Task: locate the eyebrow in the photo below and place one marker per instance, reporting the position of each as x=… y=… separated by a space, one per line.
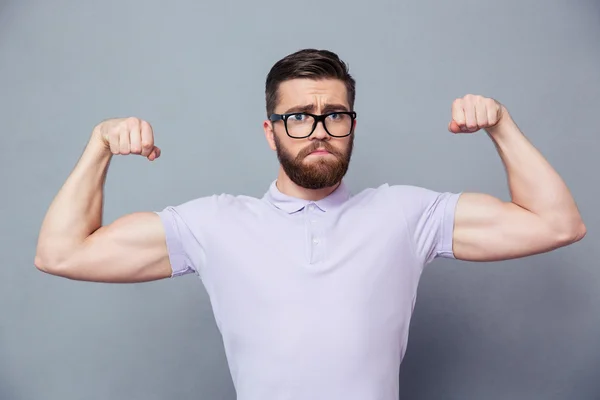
x=311 y=107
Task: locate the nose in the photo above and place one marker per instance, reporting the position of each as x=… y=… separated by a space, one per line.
x=320 y=133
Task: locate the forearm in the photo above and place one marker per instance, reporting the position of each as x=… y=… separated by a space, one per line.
x=534 y=184
x=76 y=211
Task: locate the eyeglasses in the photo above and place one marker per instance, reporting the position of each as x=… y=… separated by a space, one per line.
x=302 y=125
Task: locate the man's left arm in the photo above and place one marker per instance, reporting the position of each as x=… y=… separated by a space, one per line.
x=542 y=214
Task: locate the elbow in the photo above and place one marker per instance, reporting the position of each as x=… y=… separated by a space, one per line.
x=49 y=265
x=39 y=263
x=572 y=233
x=43 y=264
x=579 y=231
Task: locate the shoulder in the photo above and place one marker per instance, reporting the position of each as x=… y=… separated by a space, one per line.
x=214 y=204
x=411 y=201
x=407 y=195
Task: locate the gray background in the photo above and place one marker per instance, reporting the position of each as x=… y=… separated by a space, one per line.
x=525 y=329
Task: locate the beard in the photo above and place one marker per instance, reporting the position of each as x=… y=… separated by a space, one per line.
x=320 y=173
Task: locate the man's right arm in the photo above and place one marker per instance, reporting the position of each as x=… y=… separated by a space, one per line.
x=73 y=243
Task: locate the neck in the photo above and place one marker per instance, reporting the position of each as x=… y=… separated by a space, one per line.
x=289 y=188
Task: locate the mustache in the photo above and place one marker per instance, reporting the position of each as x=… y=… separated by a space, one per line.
x=318 y=145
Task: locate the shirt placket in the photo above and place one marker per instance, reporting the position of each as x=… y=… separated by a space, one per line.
x=313 y=217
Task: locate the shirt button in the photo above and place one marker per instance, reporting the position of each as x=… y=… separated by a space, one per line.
x=316 y=241
x=311 y=207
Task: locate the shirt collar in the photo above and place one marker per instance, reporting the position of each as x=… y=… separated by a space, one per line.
x=291 y=204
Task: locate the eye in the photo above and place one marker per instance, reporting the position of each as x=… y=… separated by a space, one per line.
x=297 y=117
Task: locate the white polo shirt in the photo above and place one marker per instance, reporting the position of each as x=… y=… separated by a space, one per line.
x=313 y=299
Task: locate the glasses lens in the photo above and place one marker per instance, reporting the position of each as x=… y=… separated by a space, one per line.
x=300 y=125
x=338 y=124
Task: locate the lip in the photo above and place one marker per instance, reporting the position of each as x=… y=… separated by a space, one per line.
x=320 y=151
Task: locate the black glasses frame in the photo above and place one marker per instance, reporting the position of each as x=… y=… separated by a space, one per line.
x=317 y=118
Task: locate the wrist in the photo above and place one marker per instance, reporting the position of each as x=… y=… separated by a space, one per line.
x=96 y=150
x=505 y=126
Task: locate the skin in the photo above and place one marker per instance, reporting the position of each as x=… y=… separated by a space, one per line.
x=74 y=244
x=541 y=216
x=322 y=96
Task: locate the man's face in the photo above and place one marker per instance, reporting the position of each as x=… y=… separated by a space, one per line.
x=319 y=161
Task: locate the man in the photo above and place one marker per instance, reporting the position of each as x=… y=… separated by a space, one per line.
x=312 y=288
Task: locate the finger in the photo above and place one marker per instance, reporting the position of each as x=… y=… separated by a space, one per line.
x=492 y=112
x=147 y=139
x=481 y=114
x=470 y=118
x=492 y=116
x=124 y=140
x=454 y=127
x=154 y=154
x=113 y=142
x=458 y=114
x=135 y=141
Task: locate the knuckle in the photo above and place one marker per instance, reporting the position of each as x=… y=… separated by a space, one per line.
x=457 y=107
x=145 y=125
x=132 y=122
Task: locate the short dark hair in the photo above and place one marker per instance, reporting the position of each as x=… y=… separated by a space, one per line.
x=307 y=63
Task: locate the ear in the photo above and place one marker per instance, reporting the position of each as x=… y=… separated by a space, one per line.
x=269 y=133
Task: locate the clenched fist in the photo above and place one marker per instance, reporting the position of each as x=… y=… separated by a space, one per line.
x=472 y=113
x=127 y=136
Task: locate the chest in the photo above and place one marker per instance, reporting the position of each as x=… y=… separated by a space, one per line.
x=342 y=271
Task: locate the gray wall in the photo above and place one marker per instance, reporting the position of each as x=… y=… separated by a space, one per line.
x=525 y=329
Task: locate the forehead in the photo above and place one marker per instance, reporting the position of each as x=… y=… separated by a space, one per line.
x=300 y=92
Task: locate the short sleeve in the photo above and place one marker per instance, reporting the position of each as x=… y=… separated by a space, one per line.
x=430 y=219
x=186 y=226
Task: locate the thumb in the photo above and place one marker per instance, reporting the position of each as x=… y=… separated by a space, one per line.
x=154 y=154
x=454 y=127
